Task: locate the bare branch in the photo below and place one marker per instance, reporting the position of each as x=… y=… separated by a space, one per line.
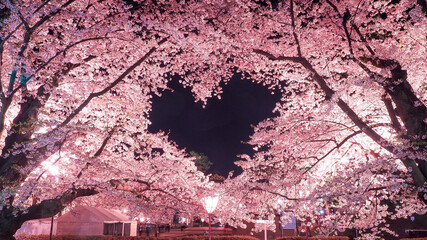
x=329 y=93
x=41 y=6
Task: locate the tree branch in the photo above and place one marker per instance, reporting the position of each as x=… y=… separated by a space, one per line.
x=291 y=9
x=274 y=193
x=97 y=154
x=330 y=151
x=52 y=14
x=116 y=183
x=345 y=19
x=51 y=207
x=392 y=114
x=329 y=93
x=64 y=51
x=363 y=39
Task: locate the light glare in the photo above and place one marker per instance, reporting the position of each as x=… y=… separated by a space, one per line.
x=210 y=203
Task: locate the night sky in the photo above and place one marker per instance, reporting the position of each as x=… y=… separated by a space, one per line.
x=219 y=129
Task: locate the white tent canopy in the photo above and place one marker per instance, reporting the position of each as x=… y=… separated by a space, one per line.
x=37 y=227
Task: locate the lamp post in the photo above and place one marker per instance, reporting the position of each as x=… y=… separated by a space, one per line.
x=265 y=222
x=54 y=171
x=210 y=203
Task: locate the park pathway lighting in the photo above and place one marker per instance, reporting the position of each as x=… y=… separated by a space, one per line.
x=210 y=203
x=265 y=222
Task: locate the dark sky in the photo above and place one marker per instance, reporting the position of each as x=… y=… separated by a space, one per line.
x=218 y=129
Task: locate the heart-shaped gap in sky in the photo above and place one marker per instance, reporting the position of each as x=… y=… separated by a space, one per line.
x=220 y=129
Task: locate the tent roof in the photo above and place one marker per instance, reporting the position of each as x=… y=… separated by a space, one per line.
x=91 y=214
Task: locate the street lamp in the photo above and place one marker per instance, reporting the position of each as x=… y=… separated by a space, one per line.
x=209 y=203
x=265 y=222
x=52 y=169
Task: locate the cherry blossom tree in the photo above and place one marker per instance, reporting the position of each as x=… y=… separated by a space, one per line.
x=76 y=82
x=77 y=77
x=350 y=135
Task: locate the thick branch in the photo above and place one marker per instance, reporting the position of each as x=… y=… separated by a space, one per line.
x=51 y=207
x=23 y=125
x=392 y=114
x=409 y=107
x=291 y=9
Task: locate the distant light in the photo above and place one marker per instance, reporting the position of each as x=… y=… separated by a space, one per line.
x=322 y=212
x=141 y=219
x=412 y=218
x=183 y=219
x=203 y=219
x=125 y=210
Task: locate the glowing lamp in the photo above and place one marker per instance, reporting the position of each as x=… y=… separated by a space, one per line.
x=210 y=203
